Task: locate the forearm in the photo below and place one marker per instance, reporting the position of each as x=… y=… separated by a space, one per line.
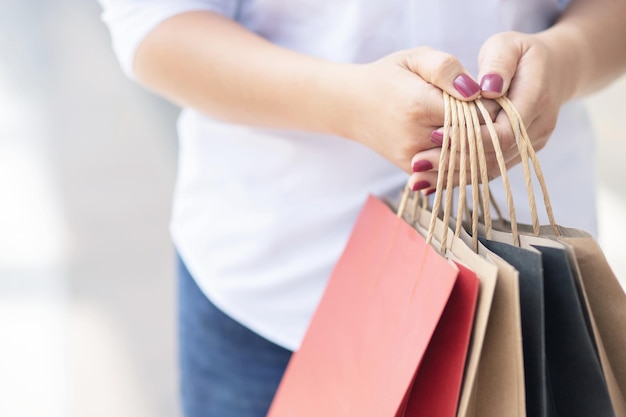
x=208 y=62
x=591 y=39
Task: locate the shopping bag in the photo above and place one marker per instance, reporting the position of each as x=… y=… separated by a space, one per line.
x=531 y=283
x=604 y=300
x=493 y=384
x=576 y=375
x=442 y=399
x=494 y=380
x=500 y=380
x=582 y=389
x=372 y=327
x=578 y=386
x=437 y=385
x=606 y=297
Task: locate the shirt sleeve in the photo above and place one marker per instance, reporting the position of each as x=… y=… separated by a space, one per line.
x=129 y=21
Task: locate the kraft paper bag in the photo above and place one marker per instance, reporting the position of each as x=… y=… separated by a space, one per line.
x=608 y=300
x=604 y=301
x=531 y=282
x=494 y=379
x=589 y=386
x=576 y=377
x=581 y=379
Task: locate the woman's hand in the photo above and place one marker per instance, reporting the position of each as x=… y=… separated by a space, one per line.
x=394 y=105
x=537 y=75
x=583 y=52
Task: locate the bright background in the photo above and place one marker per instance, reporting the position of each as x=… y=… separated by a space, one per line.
x=87 y=164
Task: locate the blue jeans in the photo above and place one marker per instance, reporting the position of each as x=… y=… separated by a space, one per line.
x=226 y=369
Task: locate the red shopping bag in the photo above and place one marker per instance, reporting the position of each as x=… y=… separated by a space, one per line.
x=373 y=325
x=437 y=385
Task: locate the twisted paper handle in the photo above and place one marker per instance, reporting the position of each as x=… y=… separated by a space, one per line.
x=462 y=135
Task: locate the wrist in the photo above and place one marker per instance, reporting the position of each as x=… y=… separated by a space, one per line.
x=332 y=101
x=570 y=57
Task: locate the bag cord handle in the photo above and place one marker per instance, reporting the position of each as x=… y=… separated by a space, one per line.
x=462 y=137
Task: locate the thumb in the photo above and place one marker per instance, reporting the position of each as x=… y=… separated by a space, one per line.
x=497 y=63
x=442 y=70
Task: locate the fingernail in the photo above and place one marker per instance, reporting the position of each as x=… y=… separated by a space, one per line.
x=492 y=83
x=465 y=85
x=420 y=185
x=429 y=192
x=436 y=137
x=421 y=166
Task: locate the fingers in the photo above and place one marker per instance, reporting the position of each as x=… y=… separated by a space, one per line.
x=442 y=70
x=426 y=182
x=501 y=59
x=497 y=63
x=423 y=181
x=427 y=162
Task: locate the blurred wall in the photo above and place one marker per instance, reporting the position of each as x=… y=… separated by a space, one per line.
x=87 y=163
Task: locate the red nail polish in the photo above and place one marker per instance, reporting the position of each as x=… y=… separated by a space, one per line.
x=421 y=166
x=465 y=85
x=420 y=185
x=429 y=192
x=492 y=83
x=436 y=137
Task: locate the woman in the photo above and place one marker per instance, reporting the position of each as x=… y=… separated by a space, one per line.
x=295 y=110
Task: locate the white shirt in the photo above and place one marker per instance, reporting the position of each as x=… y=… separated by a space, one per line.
x=261 y=216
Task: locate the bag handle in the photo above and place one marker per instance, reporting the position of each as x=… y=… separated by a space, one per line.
x=462 y=135
x=514 y=115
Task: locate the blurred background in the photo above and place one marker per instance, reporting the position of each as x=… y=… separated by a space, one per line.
x=87 y=165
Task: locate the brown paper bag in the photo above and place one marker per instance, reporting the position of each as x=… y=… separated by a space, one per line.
x=602 y=296
x=604 y=299
x=494 y=381
x=607 y=301
x=607 y=379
